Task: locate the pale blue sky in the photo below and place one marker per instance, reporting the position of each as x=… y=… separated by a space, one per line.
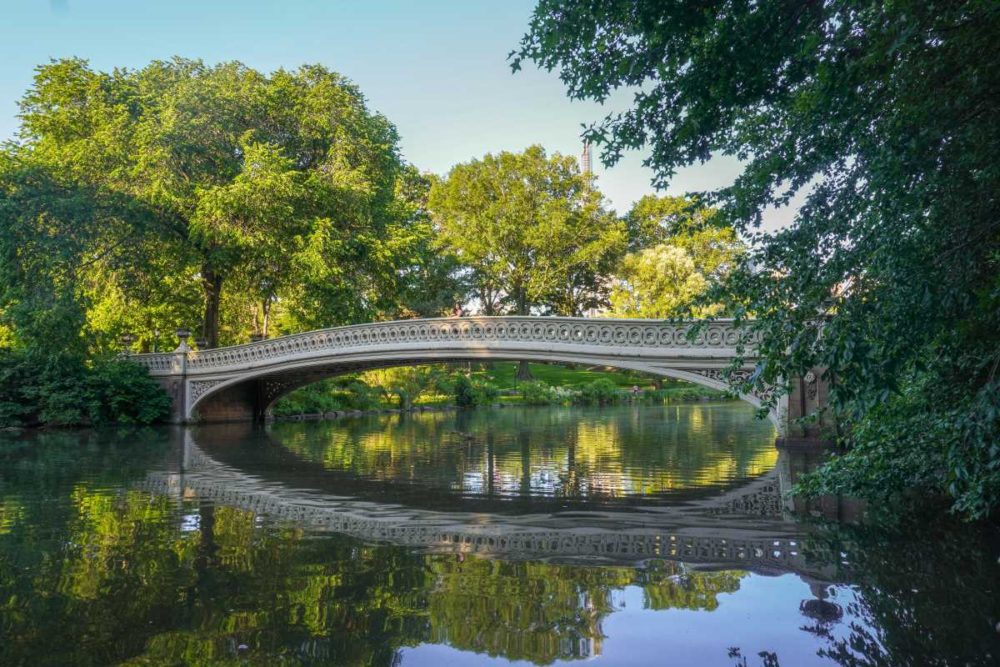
x=435 y=68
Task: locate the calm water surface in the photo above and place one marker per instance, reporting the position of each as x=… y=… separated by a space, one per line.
x=623 y=536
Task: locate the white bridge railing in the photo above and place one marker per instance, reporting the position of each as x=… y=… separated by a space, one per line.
x=697 y=352
x=717 y=339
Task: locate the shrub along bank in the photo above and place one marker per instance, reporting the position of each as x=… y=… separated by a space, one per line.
x=38 y=390
x=469 y=387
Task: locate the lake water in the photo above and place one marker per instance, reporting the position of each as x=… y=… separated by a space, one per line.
x=633 y=535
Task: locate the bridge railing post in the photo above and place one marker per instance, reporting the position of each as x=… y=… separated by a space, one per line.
x=178 y=378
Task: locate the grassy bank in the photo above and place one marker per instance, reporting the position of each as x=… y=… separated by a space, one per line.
x=483 y=384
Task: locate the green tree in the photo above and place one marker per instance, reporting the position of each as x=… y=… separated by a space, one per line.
x=429 y=278
x=532 y=230
x=653 y=219
x=881 y=117
x=256 y=217
x=525 y=224
x=47 y=229
x=279 y=186
x=409 y=383
x=657 y=282
x=679 y=250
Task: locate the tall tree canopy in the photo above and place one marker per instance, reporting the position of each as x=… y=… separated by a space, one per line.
x=679 y=251
x=46 y=232
x=280 y=188
x=657 y=219
x=532 y=230
x=883 y=118
x=673 y=279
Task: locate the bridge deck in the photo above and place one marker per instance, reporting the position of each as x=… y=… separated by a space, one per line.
x=260 y=372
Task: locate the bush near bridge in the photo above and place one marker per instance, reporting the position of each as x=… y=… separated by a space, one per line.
x=340 y=393
x=65 y=391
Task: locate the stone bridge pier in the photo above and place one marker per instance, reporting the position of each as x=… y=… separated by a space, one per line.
x=241 y=382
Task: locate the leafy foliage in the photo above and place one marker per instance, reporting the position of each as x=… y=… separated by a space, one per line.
x=47 y=229
x=657 y=282
x=599 y=392
x=679 y=250
x=470 y=392
x=654 y=220
x=465 y=393
x=340 y=393
x=408 y=383
x=62 y=390
x=252 y=198
x=181 y=194
x=537 y=393
x=484 y=393
x=532 y=231
x=881 y=118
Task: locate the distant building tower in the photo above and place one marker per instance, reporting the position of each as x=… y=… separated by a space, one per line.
x=585 y=163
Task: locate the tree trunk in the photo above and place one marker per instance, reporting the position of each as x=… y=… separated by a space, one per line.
x=207 y=550
x=521 y=306
x=211 y=283
x=266 y=307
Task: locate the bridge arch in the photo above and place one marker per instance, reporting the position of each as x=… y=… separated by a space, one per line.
x=242 y=381
x=220 y=397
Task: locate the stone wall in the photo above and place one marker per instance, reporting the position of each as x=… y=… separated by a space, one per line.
x=809 y=416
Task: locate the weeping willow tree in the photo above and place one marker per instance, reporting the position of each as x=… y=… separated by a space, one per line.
x=679 y=251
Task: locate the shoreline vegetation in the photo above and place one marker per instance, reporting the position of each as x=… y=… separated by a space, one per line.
x=67 y=390
x=647 y=399
x=46 y=392
x=412 y=389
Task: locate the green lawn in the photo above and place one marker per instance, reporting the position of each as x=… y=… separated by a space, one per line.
x=316 y=398
x=502 y=375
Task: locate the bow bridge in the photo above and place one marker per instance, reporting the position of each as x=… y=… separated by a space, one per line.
x=241 y=382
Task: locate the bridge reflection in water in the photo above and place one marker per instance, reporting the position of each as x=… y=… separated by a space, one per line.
x=747 y=527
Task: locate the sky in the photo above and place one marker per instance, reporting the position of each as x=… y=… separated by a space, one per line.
x=436 y=68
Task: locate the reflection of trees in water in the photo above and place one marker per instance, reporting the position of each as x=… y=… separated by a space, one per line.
x=922 y=595
x=543 y=611
x=521 y=610
x=91 y=574
x=927 y=593
x=667 y=585
x=85 y=591
x=557 y=452
x=128 y=576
